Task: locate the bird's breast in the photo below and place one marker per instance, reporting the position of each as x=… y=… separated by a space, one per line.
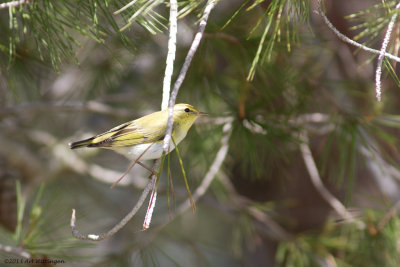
x=150 y=151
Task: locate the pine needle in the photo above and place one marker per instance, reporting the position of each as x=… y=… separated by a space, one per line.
x=184 y=177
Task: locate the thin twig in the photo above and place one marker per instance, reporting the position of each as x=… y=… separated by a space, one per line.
x=385 y=43
x=92 y=106
x=13 y=4
x=153 y=197
x=347 y=39
x=117 y=227
x=16 y=251
x=169 y=68
x=193 y=48
x=316 y=181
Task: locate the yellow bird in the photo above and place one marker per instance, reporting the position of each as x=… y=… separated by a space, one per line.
x=142 y=139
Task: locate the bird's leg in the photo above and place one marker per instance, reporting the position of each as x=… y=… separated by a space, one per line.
x=130 y=167
x=147 y=168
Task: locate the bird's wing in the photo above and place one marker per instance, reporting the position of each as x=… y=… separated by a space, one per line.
x=133 y=133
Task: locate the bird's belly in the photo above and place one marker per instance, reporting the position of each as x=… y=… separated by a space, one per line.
x=146 y=151
x=149 y=151
x=153 y=152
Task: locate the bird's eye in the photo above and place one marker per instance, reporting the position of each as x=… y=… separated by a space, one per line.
x=187 y=110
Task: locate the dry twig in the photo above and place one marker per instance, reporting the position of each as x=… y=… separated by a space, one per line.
x=385 y=43
x=117 y=227
x=319 y=186
x=382 y=52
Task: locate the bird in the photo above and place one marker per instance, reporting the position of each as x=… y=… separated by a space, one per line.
x=142 y=139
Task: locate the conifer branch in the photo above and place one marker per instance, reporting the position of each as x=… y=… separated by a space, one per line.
x=350 y=41
x=378 y=72
x=382 y=52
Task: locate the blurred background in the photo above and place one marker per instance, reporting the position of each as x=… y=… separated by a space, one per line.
x=290 y=104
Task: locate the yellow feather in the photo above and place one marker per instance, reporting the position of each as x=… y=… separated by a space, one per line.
x=147 y=129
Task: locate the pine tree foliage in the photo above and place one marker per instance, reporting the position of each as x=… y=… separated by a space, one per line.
x=275 y=80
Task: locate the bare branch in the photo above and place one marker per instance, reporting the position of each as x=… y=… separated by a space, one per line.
x=319 y=186
x=152 y=200
x=117 y=227
x=169 y=68
x=13 y=4
x=63 y=154
x=347 y=39
x=16 y=251
x=193 y=48
x=385 y=43
x=92 y=106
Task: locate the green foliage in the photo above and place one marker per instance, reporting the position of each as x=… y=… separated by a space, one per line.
x=282 y=18
x=345 y=245
x=56 y=27
x=37 y=232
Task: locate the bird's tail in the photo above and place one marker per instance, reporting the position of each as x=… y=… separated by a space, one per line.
x=82 y=143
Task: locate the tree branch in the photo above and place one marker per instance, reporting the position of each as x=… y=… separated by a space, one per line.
x=347 y=39
x=385 y=43
x=153 y=196
x=117 y=227
x=177 y=85
x=193 y=48
x=169 y=68
x=92 y=106
x=319 y=186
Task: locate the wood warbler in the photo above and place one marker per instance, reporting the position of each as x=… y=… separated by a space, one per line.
x=142 y=139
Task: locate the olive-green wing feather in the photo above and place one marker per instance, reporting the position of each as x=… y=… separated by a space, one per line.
x=147 y=129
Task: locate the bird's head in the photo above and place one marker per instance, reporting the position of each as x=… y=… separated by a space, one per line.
x=185 y=115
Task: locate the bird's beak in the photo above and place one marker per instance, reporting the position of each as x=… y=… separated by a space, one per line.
x=202 y=114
